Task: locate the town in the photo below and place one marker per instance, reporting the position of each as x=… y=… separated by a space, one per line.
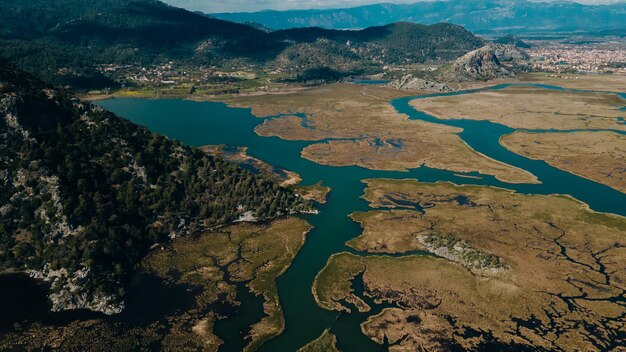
x=582 y=56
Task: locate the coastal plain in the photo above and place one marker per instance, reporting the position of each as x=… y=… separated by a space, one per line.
x=483 y=268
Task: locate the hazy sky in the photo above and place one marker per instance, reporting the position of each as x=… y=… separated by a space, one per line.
x=257 y=5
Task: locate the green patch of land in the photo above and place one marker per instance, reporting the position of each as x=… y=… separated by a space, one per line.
x=243 y=253
x=508 y=269
x=327 y=342
x=240 y=156
x=317 y=192
x=287 y=179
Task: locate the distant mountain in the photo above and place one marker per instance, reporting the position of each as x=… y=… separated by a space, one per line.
x=476 y=15
x=63 y=41
x=84 y=194
x=512 y=40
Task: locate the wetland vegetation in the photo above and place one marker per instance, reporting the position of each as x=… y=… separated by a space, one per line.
x=561 y=257
x=272 y=211
x=355 y=125
x=327 y=342
x=599 y=156
x=531 y=108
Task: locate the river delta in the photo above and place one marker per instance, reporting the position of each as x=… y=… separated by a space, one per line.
x=442 y=232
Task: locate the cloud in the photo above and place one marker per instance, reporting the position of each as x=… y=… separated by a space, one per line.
x=214 y=6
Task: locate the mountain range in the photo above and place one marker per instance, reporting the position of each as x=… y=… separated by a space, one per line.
x=505 y=16
x=63 y=41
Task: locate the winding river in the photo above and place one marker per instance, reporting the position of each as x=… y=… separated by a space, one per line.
x=202 y=123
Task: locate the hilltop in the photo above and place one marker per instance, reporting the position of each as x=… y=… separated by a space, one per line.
x=489 y=62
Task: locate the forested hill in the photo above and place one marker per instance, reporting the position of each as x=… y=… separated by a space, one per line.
x=394 y=43
x=64 y=41
x=84 y=194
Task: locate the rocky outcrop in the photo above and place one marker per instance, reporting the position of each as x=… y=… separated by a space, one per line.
x=461 y=252
x=69 y=291
x=489 y=62
x=409 y=82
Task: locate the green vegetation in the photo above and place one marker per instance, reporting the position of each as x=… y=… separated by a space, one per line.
x=67 y=42
x=86 y=193
x=327 y=342
x=62 y=41
x=244 y=253
x=333 y=284
x=208 y=269
x=317 y=192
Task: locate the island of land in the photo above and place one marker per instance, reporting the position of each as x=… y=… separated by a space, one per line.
x=503 y=270
x=365 y=130
x=581 y=132
x=598 y=156
x=531 y=108
x=327 y=342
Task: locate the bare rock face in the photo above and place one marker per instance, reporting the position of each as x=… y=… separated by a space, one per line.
x=489 y=62
x=409 y=82
x=70 y=291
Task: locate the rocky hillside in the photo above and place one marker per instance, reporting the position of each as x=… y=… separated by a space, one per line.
x=409 y=82
x=489 y=62
x=84 y=194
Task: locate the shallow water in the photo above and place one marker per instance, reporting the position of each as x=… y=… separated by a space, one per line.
x=201 y=123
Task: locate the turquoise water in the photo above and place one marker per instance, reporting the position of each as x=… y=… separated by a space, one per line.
x=201 y=123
